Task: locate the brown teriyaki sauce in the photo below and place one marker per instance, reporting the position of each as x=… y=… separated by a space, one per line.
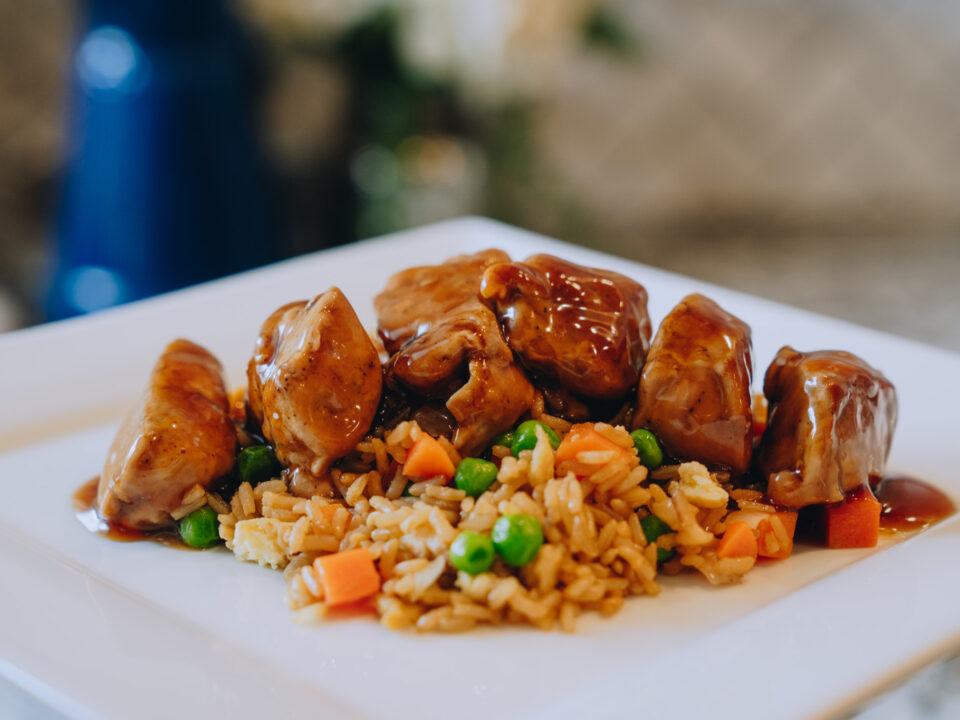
x=85 y=507
x=910 y=504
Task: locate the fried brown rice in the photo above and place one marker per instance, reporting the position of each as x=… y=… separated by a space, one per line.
x=594 y=555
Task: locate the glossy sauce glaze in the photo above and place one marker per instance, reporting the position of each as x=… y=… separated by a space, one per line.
x=587 y=330
x=694 y=392
x=417 y=298
x=830 y=425
x=463 y=361
x=178 y=435
x=85 y=507
x=314 y=384
x=910 y=504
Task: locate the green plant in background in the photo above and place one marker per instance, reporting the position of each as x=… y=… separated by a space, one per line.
x=393 y=109
x=436 y=120
x=603 y=30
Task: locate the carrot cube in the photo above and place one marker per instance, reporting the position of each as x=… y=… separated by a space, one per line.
x=854 y=523
x=428 y=459
x=347 y=576
x=738 y=541
x=584 y=438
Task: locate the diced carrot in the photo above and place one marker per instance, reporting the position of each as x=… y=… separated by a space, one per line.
x=584 y=438
x=854 y=523
x=775 y=541
x=738 y=541
x=347 y=576
x=428 y=459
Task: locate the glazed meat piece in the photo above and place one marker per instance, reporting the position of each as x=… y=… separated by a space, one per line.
x=829 y=427
x=694 y=392
x=562 y=403
x=464 y=359
x=586 y=330
x=180 y=435
x=314 y=384
x=416 y=298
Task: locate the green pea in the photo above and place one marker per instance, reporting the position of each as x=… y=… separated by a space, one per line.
x=256 y=464
x=665 y=555
x=525 y=437
x=504 y=438
x=653 y=527
x=648 y=449
x=472 y=552
x=517 y=538
x=200 y=528
x=474 y=476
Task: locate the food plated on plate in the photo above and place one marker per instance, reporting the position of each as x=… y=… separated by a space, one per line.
x=514 y=444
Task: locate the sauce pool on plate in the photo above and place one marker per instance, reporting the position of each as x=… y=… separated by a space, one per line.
x=85 y=506
x=910 y=504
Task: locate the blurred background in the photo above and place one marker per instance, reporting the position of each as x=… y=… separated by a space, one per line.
x=805 y=151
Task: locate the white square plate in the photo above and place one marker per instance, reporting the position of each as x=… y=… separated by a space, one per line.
x=112 y=630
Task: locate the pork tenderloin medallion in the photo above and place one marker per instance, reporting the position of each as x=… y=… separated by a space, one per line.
x=315 y=380
x=586 y=330
x=418 y=297
x=179 y=435
x=694 y=391
x=829 y=426
x=463 y=361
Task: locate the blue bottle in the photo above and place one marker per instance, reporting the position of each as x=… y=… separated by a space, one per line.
x=163 y=184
